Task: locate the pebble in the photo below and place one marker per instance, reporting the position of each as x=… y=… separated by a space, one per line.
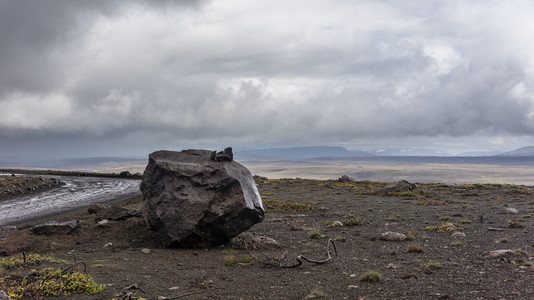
x=499 y=253
x=108 y=245
x=103 y=223
x=337 y=224
x=458 y=234
x=393 y=236
x=146 y=250
x=511 y=210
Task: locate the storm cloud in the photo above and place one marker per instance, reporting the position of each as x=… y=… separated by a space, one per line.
x=154 y=74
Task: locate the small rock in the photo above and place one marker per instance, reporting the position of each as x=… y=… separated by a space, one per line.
x=95 y=208
x=9 y=228
x=125 y=174
x=337 y=224
x=255 y=242
x=103 y=223
x=398 y=187
x=393 y=236
x=494 y=229
x=117 y=214
x=173 y=288
x=108 y=245
x=4 y=296
x=511 y=210
x=345 y=178
x=57 y=228
x=146 y=250
x=499 y=253
x=457 y=234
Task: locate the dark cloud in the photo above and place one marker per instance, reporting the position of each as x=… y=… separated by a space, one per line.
x=197 y=72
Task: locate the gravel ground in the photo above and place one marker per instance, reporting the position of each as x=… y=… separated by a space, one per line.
x=431 y=264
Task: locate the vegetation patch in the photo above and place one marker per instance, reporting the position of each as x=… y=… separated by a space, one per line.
x=277 y=206
x=371 y=276
x=515 y=224
x=353 y=222
x=432 y=266
x=44 y=282
x=31 y=259
x=416 y=248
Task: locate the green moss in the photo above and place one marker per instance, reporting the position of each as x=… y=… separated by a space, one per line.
x=49 y=282
x=371 y=276
x=232 y=261
x=30 y=259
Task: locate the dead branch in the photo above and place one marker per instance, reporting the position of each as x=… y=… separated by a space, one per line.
x=72 y=268
x=278 y=262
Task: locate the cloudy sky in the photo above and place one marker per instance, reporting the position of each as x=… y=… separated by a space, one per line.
x=96 y=78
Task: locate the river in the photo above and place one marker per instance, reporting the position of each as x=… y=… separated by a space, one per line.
x=76 y=193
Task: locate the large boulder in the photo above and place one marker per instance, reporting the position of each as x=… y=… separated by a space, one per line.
x=198 y=198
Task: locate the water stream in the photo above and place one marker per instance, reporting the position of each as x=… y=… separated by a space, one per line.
x=76 y=193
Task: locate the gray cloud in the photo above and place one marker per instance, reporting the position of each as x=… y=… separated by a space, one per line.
x=273 y=73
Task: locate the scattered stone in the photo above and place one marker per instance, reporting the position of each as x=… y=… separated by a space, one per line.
x=457 y=234
x=4 y=296
x=194 y=201
x=398 y=187
x=511 y=210
x=125 y=174
x=225 y=155
x=9 y=228
x=258 y=177
x=345 y=178
x=117 y=213
x=500 y=253
x=57 y=228
x=494 y=229
x=146 y=250
x=95 y=208
x=108 y=245
x=103 y=223
x=173 y=288
x=337 y=224
x=393 y=236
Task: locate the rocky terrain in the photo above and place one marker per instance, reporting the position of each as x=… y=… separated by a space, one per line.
x=435 y=241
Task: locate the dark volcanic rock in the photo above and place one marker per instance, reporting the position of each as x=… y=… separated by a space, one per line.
x=116 y=213
x=56 y=228
x=195 y=201
x=399 y=187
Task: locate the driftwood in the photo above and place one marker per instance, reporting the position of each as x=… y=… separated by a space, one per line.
x=279 y=262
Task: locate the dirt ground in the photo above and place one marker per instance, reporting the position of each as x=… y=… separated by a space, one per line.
x=431 y=264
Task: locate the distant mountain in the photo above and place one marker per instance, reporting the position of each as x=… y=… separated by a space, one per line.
x=297 y=153
x=489 y=152
x=409 y=152
x=523 y=151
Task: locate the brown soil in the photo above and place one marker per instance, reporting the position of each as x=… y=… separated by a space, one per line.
x=467 y=270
